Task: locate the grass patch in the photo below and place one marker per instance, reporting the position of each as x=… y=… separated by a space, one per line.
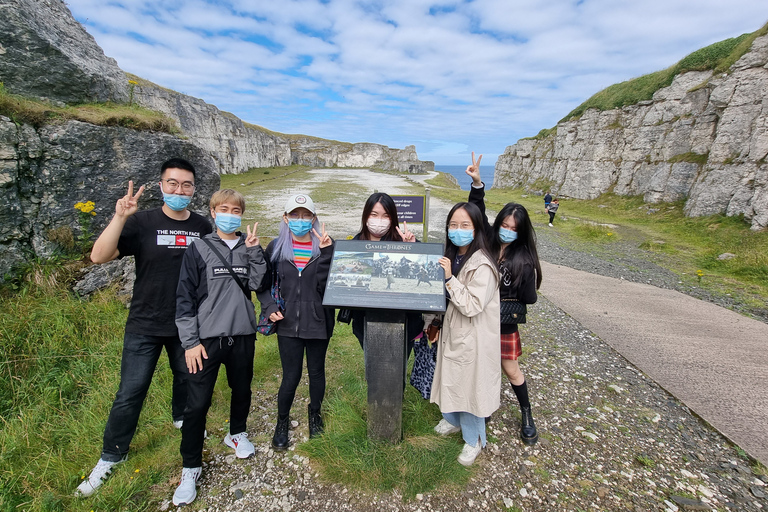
x=718 y=57
x=593 y=232
x=443 y=180
x=694 y=158
x=38 y=113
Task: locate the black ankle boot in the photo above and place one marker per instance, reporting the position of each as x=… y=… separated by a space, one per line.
x=528 y=432
x=280 y=439
x=315 y=422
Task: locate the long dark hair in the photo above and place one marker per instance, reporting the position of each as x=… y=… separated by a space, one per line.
x=522 y=251
x=478 y=244
x=389 y=206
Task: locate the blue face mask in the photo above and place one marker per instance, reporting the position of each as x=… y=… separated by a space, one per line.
x=227 y=222
x=507 y=235
x=176 y=202
x=461 y=237
x=299 y=227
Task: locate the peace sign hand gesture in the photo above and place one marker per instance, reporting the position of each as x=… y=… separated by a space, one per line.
x=129 y=203
x=251 y=239
x=405 y=234
x=325 y=239
x=474 y=170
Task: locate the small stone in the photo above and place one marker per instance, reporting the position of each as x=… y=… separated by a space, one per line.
x=726 y=256
x=706 y=492
x=671 y=507
x=230 y=459
x=294 y=424
x=165 y=505
x=524 y=492
x=656 y=418
x=687 y=474
x=602 y=492
x=590 y=435
x=238 y=494
x=507 y=502
x=420 y=497
x=756 y=491
x=689 y=504
x=616 y=388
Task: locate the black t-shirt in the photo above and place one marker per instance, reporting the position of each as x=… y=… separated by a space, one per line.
x=158 y=243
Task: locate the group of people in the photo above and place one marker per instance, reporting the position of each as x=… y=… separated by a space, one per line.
x=192 y=295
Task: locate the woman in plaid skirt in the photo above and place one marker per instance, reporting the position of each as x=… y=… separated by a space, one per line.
x=513 y=244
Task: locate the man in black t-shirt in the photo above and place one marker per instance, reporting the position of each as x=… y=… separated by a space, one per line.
x=157 y=239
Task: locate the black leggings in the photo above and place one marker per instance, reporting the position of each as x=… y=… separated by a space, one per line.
x=551 y=217
x=292 y=359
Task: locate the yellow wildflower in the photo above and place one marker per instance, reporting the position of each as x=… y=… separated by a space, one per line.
x=85 y=207
x=133 y=82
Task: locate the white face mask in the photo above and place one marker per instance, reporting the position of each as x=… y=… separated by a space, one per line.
x=378 y=227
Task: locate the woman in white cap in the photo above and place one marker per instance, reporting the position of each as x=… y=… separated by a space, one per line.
x=299 y=259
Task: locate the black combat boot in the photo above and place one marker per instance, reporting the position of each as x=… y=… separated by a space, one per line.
x=280 y=439
x=528 y=432
x=315 y=422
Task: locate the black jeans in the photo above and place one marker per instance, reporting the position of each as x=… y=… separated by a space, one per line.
x=140 y=355
x=292 y=359
x=551 y=217
x=236 y=354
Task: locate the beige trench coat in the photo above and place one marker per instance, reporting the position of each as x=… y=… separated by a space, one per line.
x=468 y=371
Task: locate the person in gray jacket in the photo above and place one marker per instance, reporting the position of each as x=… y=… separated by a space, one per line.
x=217 y=324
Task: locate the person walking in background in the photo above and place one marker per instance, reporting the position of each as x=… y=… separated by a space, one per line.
x=513 y=245
x=150 y=325
x=467 y=380
x=552 y=210
x=299 y=259
x=217 y=325
x=547 y=197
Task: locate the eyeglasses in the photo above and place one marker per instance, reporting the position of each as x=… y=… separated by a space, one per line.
x=463 y=225
x=186 y=186
x=297 y=216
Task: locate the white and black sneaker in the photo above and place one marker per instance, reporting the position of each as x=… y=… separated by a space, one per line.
x=99 y=473
x=242 y=446
x=186 y=492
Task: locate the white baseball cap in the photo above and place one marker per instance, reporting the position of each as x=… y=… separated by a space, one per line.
x=300 y=201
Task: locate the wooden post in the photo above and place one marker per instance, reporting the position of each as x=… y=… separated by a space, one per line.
x=385 y=352
x=426 y=215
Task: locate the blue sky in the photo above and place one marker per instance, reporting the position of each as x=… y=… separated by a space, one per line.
x=449 y=77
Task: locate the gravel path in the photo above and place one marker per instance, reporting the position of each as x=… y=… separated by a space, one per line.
x=611 y=439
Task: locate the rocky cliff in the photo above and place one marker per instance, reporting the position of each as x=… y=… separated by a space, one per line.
x=45 y=171
x=316 y=152
x=703 y=139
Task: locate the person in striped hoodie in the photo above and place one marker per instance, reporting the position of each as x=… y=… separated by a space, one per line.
x=299 y=259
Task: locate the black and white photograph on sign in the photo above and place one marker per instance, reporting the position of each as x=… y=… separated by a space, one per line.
x=386 y=275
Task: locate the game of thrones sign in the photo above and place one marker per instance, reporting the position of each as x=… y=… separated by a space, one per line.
x=386 y=275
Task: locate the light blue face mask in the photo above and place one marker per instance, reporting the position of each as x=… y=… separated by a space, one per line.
x=176 y=202
x=227 y=222
x=461 y=237
x=507 y=235
x=299 y=227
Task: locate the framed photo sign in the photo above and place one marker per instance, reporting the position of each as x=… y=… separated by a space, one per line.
x=386 y=275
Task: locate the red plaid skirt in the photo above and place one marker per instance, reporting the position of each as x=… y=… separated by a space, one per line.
x=510 y=346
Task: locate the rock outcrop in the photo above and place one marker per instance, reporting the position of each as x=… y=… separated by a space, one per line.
x=44 y=172
x=703 y=139
x=316 y=152
x=46 y=53
x=234 y=145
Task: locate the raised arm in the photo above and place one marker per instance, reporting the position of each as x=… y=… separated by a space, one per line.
x=105 y=247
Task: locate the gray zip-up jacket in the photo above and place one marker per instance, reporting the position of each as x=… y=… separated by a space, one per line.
x=209 y=303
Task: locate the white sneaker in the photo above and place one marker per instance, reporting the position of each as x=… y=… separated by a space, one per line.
x=444 y=428
x=550 y=224
x=178 y=423
x=469 y=453
x=186 y=492
x=241 y=444
x=99 y=473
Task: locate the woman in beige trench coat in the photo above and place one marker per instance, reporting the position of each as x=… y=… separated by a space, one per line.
x=467 y=381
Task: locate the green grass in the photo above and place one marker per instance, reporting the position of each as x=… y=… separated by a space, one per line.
x=718 y=57
x=37 y=113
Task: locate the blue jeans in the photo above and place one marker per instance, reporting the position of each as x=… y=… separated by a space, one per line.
x=140 y=355
x=472 y=427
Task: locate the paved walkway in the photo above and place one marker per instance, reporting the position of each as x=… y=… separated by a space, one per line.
x=713 y=360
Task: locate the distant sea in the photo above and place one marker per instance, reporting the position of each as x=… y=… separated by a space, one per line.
x=459 y=172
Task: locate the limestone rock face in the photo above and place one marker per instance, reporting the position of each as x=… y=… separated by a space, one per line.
x=703 y=139
x=316 y=152
x=234 y=145
x=46 y=53
x=44 y=172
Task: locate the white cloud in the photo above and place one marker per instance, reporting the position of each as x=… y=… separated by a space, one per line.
x=450 y=76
